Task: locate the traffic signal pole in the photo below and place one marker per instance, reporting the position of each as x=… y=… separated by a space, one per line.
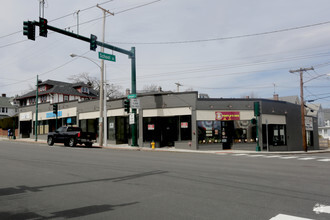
x=130 y=54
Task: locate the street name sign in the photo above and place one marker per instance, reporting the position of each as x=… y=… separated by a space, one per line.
x=106 y=56
x=131 y=96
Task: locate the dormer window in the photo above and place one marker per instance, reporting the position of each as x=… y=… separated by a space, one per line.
x=42 y=88
x=85 y=90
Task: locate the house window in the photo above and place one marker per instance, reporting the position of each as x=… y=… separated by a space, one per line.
x=85 y=90
x=66 y=98
x=32 y=100
x=42 y=88
x=43 y=98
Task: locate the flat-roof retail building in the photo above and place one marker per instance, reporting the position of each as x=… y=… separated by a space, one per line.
x=185 y=121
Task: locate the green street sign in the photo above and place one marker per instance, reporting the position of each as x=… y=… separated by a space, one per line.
x=105 y=56
x=131 y=96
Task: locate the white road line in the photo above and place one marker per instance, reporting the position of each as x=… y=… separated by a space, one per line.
x=256 y=155
x=239 y=154
x=307 y=158
x=288 y=217
x=319 y=208
x=324 y=160
x=273 y=156
x=285 y=158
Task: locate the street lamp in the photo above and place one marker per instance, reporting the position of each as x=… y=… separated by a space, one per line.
x=102 y=103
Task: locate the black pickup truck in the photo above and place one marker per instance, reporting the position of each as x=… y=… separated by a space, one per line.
x=71 y=136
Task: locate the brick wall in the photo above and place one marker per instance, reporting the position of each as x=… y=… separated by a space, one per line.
x=4 y=133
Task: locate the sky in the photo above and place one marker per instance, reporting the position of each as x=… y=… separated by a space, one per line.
x=226 y=49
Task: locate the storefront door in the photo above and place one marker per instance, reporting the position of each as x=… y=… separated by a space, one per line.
x=169 y=131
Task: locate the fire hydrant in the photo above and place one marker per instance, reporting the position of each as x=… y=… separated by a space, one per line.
x=153 y=145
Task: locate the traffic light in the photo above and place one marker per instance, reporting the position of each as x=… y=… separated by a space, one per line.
x=126 y=105
x=93 y=42
x=253 y=121
x=256 y=109
x=29 y=29
x=55 y=109
x=43 y=27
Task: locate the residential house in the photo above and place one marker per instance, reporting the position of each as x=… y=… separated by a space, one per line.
x=7 y=108
x=56 y=92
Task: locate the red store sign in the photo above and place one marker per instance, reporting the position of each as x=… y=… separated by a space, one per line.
x=227 y=116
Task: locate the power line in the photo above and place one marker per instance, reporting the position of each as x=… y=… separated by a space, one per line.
x=227 y=38
x=86 y=22
x=44 y=73
x=139 y=6
x=64 y=16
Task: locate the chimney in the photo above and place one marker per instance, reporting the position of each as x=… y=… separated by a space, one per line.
x=247 y=97
x=3 y=94
x=275 y=97
x=128 y=91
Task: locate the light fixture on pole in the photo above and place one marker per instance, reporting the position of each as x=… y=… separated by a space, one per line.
x=101 y=99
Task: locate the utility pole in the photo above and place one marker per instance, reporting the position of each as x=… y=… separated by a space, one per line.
x=29 y=30
x=178 y=86
x=102 y=103
x=77 y=12
x=302 y=107
x=36 y=119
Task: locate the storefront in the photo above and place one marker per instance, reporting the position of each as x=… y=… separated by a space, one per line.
x=184 y=121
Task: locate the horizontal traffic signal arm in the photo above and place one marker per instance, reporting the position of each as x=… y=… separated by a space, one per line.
x=83 y=38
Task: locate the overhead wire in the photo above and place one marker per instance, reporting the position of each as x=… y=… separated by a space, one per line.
x=64 y=16
x=73 y=26
x=229 y=38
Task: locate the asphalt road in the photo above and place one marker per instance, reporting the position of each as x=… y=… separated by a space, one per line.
x=42 y=182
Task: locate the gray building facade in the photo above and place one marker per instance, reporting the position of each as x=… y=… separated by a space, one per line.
x=184 y=121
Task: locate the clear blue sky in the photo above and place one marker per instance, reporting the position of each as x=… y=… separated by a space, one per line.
x=222 y=48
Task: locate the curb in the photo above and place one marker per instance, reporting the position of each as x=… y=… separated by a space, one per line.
x=147 y=149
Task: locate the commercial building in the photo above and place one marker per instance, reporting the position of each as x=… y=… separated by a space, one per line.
x=183 y=120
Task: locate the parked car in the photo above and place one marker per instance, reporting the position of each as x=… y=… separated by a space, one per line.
x=71 y=136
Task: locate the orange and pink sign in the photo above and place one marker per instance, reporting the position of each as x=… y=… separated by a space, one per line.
x=227 y=116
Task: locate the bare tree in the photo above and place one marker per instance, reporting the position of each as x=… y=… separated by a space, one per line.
x=112 y=90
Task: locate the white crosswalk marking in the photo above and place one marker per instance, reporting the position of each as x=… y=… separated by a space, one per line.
x=273 y=156
x=324 y=160
x=288 y=217
x=307 y=158
x=285 y=158
x=256 y=155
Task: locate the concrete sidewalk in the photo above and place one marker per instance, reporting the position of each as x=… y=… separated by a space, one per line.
x=173 y=149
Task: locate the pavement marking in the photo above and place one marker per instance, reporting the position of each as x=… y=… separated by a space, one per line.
x=273 y=156
x=307 y=158
x=285 y=158
x=319 y=208
x=240 y=154
x=288 y=217
x=256 y=155
x=324 y=160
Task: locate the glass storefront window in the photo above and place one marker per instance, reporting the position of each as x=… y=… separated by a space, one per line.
x=185 y=127
x=245 y=132
x=237 y=131
x=276 y=134
x=209 y=132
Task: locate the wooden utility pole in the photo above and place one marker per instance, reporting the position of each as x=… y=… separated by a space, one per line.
x=102 y=122
x=178 y=86
x=302 y=107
